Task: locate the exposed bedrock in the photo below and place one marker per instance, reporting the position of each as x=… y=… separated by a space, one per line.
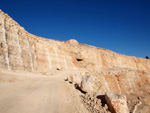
x=22 y=51
x=119 y=83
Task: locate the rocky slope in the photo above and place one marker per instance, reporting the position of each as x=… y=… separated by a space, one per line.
x=107 y=71
x=22 y=51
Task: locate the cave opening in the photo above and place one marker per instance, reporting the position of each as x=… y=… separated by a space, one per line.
x=79 y=59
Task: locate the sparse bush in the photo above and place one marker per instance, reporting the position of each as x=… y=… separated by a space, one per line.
x=147 y=57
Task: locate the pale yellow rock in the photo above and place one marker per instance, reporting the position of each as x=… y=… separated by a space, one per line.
x=116 y=103
x=35 y=54
x=22 y=51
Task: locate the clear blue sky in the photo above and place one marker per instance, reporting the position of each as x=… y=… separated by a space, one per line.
x=122 y=26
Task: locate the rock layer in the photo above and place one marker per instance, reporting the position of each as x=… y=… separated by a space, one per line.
x=20 y=50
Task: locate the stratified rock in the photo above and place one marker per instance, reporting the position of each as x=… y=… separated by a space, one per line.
x=115 y=82
x=117 y=103
x=22 y=51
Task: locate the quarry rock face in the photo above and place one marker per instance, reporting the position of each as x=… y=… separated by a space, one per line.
x=117 y=82
x=22 y=51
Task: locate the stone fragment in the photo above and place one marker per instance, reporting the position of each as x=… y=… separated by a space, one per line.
x=66 y=79
x=70 y=78
x=117 y=103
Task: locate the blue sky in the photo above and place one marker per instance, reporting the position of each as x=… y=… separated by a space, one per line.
x=122 y=26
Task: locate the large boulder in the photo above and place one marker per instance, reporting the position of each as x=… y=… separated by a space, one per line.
x=74 y=79
x=86 y=83
x=90 y=84
x=117 y=103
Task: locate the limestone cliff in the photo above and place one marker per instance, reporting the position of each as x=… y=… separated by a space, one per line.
x=20 y=50
x=106 y=71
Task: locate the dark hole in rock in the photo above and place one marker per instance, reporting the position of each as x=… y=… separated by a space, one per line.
x=78 y=88
x=78 y=59
x=103 y=100
x=58 y=69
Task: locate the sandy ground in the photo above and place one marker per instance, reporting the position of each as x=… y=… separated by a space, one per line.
x=32 y=93
x=49 y=93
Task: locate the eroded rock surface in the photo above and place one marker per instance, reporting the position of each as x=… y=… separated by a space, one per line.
x=107 y=71
x=20 y=50
x=136 y=89
x=116 y=82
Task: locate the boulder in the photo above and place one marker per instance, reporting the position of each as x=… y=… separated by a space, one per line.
x=90 y=84
x=117 y=103
x=86 y=83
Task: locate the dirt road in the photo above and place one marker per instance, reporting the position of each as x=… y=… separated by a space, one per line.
x=42 y=94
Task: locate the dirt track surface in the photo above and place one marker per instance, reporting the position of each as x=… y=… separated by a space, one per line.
x=41 y=94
